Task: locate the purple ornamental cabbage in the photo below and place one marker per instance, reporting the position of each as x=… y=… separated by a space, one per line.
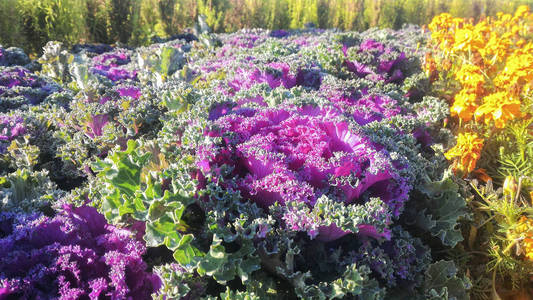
x=275 y=75
x=280 y=33
x=75 y=255
x=374 y=108
x=11 y=127
x=282 y=155
x=34 y=88
x=233 y=43
x=129 y=91
x=386 y=62
x=400 y=260
x=108 y=65
x=363 y=107
x=95 y=125
x=112 y=58
x=242 y=40
x=18 y=76
x=121 y=91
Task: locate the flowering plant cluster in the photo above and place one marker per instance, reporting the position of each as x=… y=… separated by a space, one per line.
x=491 y=64
x=304 y=164
x=487 y=69
x=109 y=65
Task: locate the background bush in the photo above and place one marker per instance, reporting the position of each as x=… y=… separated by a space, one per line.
x=31 y=23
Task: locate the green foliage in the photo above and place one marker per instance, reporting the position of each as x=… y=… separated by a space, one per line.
x=224 y=266
x=302 y=12
x=11 y=26
x=177 y=283
x=158 y=198
x=442 y=282
x=55 y=62
x=439 y=210
x=122 y=18
x=237 y=295
x=159 y=63
x=214 y=11
x=27 y=190
x=516 y=155
x=32 y=23
x=96 y=21
x=499 y=225
x=48 y=20
x=327 y=211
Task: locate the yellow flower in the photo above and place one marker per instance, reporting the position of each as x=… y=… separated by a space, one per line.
x=440 y=21
x=466 y=153
x=470 y=76
x=496 y=48
x=464 y=105
x=518 y=69
x=521 y=12
x=467 y=39
x=524 y=229
x=499 y=107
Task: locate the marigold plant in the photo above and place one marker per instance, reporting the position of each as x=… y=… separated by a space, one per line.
x=525 y=230
x=467 y=150
x=491 y=63
x=485 y=70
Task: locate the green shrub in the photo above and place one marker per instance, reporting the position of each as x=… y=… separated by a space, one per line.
x=11 y=33
x=32 y=23
x=46 y=20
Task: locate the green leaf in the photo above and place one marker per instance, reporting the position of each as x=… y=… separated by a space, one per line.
x=439 y=210
x=238 y=295
x=188 y=256
x=185 y=241
x=442 y=282
x=247 y=267
x=127 y=194
x=214 y=260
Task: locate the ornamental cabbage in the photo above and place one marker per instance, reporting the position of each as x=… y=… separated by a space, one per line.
x=13 y=57
x=11 y=127
x=111 y=65
x=19 y=87
x=286 y=155
x=376 y=62
x=73 y=255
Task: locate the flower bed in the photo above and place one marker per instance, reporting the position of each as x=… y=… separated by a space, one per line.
x=302 y=164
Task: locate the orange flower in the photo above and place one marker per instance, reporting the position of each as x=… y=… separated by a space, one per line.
x=499 y=107
x=468 y=38
x=431 y=67
x=466 y=153
x=518 y=68
x=496 y=48
x=525 y=231
x=464 y=105
x=470 y=76
x=481 y=174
